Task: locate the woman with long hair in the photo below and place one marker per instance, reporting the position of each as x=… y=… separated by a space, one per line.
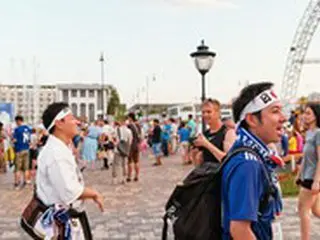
x=309 y=175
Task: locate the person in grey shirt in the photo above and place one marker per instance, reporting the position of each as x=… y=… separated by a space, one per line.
x=309 y=176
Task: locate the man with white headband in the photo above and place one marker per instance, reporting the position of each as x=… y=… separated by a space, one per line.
x=250 y=199
x=58 y=180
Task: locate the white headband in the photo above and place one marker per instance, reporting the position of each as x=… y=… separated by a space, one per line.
x=64 y=112
x=260 y=102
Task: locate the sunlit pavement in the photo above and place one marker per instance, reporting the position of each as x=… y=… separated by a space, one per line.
x=133 y=210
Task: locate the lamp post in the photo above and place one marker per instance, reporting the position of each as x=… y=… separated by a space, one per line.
x=147 y=96
x=102 y=84
x=203 y=59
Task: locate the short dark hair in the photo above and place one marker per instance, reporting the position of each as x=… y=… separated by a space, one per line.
x=212 y=101
x=132 y=116
x=51 y=112
x=156 y=121
x=316 y=111
x=106 y=121
x=246 y=95
x=190 y=116
x=18 y=118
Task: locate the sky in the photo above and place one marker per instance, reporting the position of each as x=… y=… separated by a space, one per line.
x=152 y=39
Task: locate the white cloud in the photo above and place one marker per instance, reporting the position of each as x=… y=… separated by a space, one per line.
x=203 y=3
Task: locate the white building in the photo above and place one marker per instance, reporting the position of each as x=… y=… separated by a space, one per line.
x=84 y=99
x=314 y=97
x=27 y=101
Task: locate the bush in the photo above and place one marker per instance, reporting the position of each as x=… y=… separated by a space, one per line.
x=288 y=185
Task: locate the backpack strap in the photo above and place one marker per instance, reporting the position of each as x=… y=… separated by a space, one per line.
x=119 y=133
x=165 y=227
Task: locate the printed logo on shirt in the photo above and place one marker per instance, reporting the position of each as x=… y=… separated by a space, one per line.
x=250 y=156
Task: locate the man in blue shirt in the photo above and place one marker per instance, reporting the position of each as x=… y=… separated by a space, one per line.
x=21 y=140
x=192 y=126
x=166 y=135
x=245 y=177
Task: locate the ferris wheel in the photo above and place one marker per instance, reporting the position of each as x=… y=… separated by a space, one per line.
x=297 y=52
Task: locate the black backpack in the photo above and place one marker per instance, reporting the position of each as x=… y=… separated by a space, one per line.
x=194 y=207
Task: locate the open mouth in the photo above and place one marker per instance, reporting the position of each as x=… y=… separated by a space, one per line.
x=279 y=130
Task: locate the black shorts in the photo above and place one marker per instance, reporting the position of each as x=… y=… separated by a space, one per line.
x=306 y=183
x=33 y=154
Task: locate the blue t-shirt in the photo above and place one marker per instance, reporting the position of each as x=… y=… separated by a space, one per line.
x=243 y=186
x=22 y=135
x=285 y=144
x=192 y=126
x=184 y=134
x=76 y=140
x=166 y=133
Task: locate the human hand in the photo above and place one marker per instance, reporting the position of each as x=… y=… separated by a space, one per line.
x=99 y=201
x=200 y=141
x=315 y=188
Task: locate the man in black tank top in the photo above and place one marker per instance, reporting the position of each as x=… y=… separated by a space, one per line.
x=216 y=141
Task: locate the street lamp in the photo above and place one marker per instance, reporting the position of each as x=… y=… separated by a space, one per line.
x=203 y=59
x=147 y=95
x=102 y=84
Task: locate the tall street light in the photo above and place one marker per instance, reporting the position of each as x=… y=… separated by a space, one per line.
x=203 y=59
x=102 y=85
x=147 y=95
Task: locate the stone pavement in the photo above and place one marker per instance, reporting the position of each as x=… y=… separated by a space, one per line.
x=132 y=211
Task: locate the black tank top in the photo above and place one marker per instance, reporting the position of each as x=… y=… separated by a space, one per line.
x=217 y=139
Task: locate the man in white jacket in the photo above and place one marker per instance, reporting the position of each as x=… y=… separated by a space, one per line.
x=59 y=180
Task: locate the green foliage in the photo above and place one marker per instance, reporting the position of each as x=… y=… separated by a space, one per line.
x=121 y=112
x=114 y=100
x=288 y=185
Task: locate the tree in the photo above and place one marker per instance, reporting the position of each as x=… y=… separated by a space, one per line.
x=113 y=101
x=121 y=112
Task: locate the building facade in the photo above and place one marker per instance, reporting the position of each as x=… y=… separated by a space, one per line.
x=85 y=100
x=28 y=101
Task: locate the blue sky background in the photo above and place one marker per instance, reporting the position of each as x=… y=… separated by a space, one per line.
x=145 y=37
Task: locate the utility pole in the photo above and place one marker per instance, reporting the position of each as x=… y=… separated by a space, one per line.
x=102 y=85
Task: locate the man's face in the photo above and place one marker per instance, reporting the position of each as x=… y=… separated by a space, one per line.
x=210 y=113
x=100 y=123
x=308 y=117
x=69 y=125
x=270 y=129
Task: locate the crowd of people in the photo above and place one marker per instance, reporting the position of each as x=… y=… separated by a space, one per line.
x=55 y=155
x=21 y=144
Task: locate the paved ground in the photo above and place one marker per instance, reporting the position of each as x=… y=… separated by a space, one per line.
x=133 y=211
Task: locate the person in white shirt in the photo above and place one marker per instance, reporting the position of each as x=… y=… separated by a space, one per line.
x=123 y=133
x=58 y=179
x=174 y=135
